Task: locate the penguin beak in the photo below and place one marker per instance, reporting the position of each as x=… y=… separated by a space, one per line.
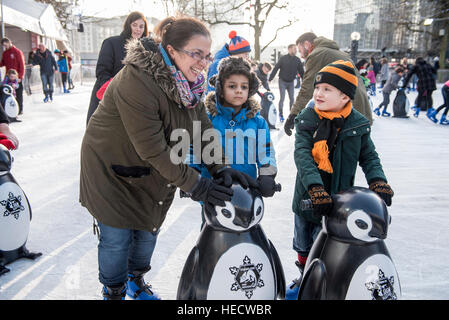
x=243 y=221
x=378 y=235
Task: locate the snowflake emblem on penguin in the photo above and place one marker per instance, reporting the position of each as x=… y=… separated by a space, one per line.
x=247 y=277
x=13 y=205
x=382 y=288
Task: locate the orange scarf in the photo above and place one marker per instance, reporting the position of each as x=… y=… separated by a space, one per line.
x=330 y=125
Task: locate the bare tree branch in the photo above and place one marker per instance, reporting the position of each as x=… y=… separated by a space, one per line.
x=275 y=36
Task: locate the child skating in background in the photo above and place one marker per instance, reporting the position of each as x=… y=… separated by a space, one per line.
x=331 y=139
x=390 y=85
x=231 y=107
x=366 y=81
x=372 y=78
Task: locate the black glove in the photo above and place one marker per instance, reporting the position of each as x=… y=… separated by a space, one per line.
x=290 y=124
x=227 y=175
x=211 y=194
x=383 y=190
x=267 y=185
x=321 y=200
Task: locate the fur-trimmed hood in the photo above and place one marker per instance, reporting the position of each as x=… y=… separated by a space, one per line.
x=144 y=54
x=252 y=106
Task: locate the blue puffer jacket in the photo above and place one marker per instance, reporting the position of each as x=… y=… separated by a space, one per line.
x=213 y=68
x=253 y=153
x=63 y=64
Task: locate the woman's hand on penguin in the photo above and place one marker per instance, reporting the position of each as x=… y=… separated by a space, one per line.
x=228 y=175
x=211 y=193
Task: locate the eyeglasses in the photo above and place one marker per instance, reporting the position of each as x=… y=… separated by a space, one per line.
x=197 y=56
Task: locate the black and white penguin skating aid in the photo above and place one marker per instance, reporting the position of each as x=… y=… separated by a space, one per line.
x=15 y=216
x=349 y=259
x=268 y=112
x=233 y=258
x=9 y=103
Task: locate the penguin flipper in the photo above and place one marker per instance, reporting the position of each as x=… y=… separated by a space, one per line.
x=185 y=287
x=279 y=271
x=313 y=285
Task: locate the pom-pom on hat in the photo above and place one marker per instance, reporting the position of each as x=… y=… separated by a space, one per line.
x=341 y=75
x=237 y=44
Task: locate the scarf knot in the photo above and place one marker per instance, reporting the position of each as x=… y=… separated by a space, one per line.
x=326 y=134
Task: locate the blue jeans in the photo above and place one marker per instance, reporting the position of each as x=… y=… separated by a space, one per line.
x=304 y=236
x=290 y=87
x=47 y=83
x=122 y=251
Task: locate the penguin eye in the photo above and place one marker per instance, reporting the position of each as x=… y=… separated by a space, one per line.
x=361 y=224
x=226 y=213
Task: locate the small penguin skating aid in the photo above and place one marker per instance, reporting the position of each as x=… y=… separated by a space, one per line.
x=15 y=216
x=268 y=112
x=233 y=259
x=401 y=105
x=9 y=103
x=349 y=259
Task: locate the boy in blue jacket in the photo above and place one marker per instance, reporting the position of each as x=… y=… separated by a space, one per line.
x=235 y=114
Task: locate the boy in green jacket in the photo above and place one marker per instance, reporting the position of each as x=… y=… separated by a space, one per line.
x=331 y=138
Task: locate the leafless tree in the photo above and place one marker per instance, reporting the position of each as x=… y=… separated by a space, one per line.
x=63 y=9
x=215 y=12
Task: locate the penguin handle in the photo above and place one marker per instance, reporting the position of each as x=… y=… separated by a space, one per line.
x=306 y=204
x=278 y=187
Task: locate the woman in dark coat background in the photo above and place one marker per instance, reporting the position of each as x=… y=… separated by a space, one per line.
x=112 y=53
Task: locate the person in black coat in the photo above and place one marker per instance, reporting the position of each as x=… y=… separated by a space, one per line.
x=112 y=53
x=426 y=84
x=290 y=66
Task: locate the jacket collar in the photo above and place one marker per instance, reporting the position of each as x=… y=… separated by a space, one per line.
x=250 y=110
x=144 y=55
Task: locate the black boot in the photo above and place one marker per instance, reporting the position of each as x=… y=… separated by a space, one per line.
x=114 y=292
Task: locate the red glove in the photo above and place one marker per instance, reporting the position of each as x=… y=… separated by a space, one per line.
x=101 y=91
x=6 y=142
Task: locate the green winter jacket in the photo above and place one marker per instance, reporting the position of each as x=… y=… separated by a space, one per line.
x=128 y=179
x=327 y=51
x=353 y=145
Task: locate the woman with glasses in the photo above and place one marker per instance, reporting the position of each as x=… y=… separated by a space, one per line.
x=112 y=53
x=128 y=176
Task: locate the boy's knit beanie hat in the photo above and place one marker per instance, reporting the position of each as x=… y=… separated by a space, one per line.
x=237 y=44
x=340 y=74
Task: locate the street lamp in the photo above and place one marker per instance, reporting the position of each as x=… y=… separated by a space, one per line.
x=355 y=37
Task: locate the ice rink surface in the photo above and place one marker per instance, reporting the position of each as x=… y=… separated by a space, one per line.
x=414 y=153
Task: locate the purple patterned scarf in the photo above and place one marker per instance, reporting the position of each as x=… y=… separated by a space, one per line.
x=191 y=94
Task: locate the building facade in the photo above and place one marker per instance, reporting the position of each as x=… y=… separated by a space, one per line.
x=385 y=27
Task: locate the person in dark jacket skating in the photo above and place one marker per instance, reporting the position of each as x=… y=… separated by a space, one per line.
x=112 y=53
x=47 y=62
x=289 y=66
x=426 y=85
